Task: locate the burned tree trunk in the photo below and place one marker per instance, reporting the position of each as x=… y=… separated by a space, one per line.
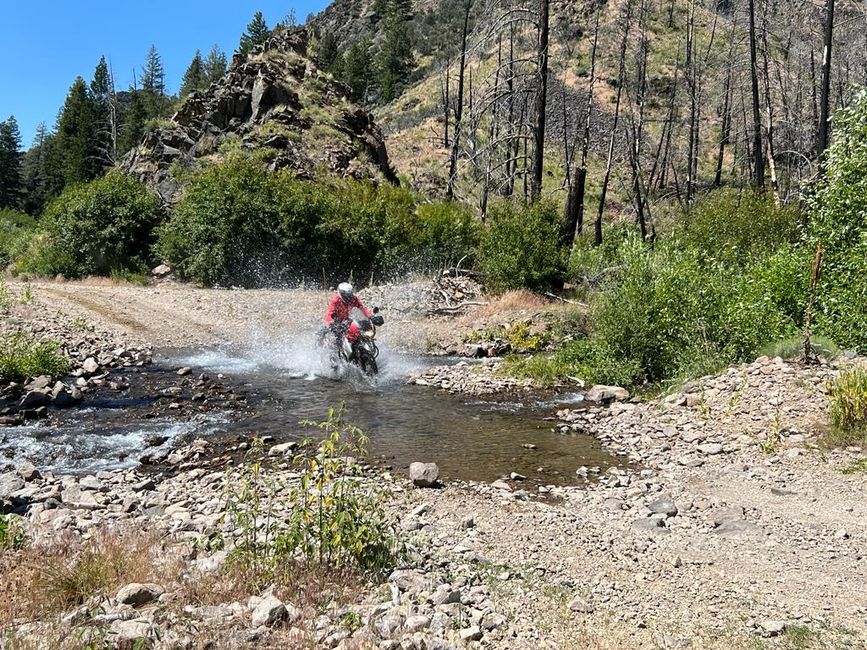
x=541 y=103
x=459 y=106
x=758 y=151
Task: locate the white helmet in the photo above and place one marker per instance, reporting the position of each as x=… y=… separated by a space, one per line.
x=346 y=291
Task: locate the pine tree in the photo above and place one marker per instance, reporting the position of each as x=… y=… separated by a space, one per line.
x=356 y=70
x=327 y=53
x=134 y=121
x=194 y=77
x=101 y=97
x=35 y=178
x=153 y=76
x=256 y=34
x=10 y=164
x=395 y=61
x=215 y=65
x=75 y=134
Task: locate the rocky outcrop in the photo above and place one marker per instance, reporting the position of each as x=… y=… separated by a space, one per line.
x=275 y=102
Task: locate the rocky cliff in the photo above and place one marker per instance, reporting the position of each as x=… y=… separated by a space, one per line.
x=275 y=103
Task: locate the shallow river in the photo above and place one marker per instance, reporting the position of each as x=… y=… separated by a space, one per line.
x=468 y=438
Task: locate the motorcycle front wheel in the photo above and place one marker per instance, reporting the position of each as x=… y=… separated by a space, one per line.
x=368 y=365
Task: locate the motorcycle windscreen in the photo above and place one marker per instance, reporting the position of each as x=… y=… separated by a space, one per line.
x=360 y=319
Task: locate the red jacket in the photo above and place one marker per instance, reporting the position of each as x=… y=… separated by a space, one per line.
x=338 y=309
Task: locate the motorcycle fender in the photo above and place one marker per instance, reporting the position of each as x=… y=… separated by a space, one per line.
x=347 y=348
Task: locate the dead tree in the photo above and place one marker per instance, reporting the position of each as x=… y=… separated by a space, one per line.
x=573 y=217
x=824 y=102
x=541 y=103
x=597 y=232
x=758 y=151
x=459 y=105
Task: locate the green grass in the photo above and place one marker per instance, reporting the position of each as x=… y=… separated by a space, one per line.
x=857 y=467
x=848 y=412
x=793 y=348
x=12 y=535
x=22 y=356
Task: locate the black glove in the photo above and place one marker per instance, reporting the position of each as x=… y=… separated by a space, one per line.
x=379 y=321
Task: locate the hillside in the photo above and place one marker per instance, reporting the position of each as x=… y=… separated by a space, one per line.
x=276 y=103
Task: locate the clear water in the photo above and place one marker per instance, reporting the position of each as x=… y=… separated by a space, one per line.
x=469 y=438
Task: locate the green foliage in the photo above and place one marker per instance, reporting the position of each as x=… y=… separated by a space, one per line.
x=355 y=70
x=10 y=164
x=74 y=156
x=12 y=534
x=519 y=249
x=215 y=65
x=838 y=221
x=23 y=357
x=739 y=226
x=256 y=34
x=338 y=519
x=793 y=348
x=395 y=61
x=15 y=230
x=99 y=227
x=518 y=335
x=153 y=75
x=848 y=412
x=240 y=224
x=194 y=77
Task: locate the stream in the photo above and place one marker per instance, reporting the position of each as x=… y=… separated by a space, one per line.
x=469 y=438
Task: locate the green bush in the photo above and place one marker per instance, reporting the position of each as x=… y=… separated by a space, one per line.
x=739 y=225
x=520 y=249
x=848 y=413
x=838 y=221
x=22 y=357
x=240 y=224
x=96 y=228
x=16 y=228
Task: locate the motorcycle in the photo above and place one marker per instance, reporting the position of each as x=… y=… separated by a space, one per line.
x=361 y=351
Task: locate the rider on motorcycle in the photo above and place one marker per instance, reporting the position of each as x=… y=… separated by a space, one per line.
x=337 y=315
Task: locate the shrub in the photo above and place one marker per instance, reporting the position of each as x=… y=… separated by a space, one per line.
x=22 y=357
x=519 y=249
x=12 y=534
x=16 y=228
x=739 y=225
x=838 y=221
x=96 y=228
x=848 y=412
x=240 y=224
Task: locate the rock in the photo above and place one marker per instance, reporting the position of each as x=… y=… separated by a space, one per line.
x=129 y=632
x=772 y=628
x=90 y=366
x=664 y=506
x=283 y=449
x=183 y=372
x=473 y=633
x=424 y=475
x=601 y=394
x=651 y=524
x=416 y=624
x=467 y=522
x=409 y=581
x=39 y=383
x=580 y=606
x=161 y=271
x=517 y=477
x=28 y=471
x=711 y=449
x=500 y=484
x=34 y=399
x=137 y=594
x=10 y=482
x=268 y=612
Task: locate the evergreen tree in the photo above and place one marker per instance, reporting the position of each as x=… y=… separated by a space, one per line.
x=215 y=65
x=395 y=61
x=357 y=72
x=75 y=135
x=256 y=34
x=10 y=164
x=194 y=77
x=327 y=53
x=101 y=92
x=153 y=76
x=134 y=121
x=35 y=176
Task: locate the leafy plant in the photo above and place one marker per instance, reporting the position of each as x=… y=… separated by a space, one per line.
x=338 y=519
x=848 y=412
x=12 y=534
x=22 y=356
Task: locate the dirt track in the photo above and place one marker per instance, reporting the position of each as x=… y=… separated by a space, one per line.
x=582 y=574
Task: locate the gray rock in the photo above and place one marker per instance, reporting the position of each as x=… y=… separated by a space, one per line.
x=137 y=594
x=34 y=399
x=664 y=506
x=90 y=366
x=445 y=595
x=424 y=474
x=770 y=627
x=416 y=624
x=473 y=633
x=183 y=372
x=161 y=271
x=711 y=449
x=580 y=606
x=651 y=524
x=601 y=394
x=409 y=581
x=500 y=484
x=467 y=522
x=10 y=482
x=283 y=449
x=28 y=471
x=612 y=504
x=268 y=612
x=129 y=632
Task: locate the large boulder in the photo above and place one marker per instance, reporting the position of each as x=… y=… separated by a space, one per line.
x=137 y=594
x=424 y=475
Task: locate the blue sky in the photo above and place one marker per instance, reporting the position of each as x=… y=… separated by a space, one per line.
x=47 y=43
